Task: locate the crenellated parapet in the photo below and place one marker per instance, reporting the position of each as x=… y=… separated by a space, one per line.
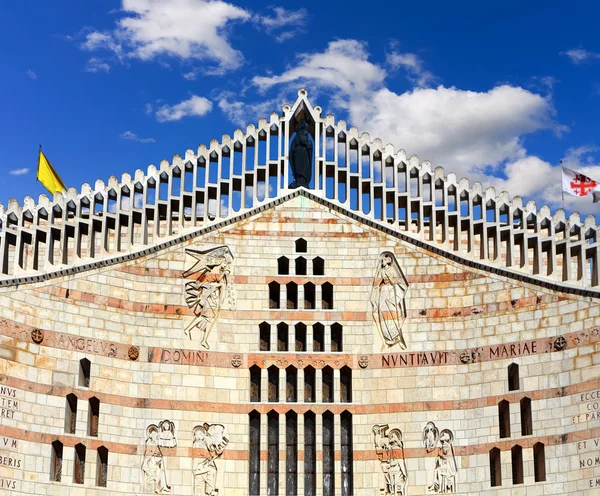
x=250 y=169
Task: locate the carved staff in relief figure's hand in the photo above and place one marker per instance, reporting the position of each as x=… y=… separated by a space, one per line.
x=205 y=295
x=301 y=153
x=388 y=299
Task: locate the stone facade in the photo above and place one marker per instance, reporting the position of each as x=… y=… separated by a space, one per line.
x=298 y=346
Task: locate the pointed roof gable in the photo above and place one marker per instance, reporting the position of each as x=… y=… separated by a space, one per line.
x=228 y=179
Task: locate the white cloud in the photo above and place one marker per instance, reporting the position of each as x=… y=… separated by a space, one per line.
x=131 y=136
x=186 y=29
x=580 y=55
x=292 y=20
x=97 y=65
x=413 y=64
x=30 y=74
x=242 y=113
x=18 y=172
x=194 y=106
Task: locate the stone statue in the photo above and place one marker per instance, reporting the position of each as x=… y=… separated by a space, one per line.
x=444 y=474
x=213 y=439
x=301 y=154
x=206 y=294
x=390 y=451
x=167 y=437
x=388 y=299
x=153 y=466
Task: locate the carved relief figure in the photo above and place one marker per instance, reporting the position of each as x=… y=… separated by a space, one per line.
x=206 y=294
x=167 y=437
x=388 y=299
x=390 y=450
x=301 y=153
x=213 y=439
x=444 y=474
x=153 y=466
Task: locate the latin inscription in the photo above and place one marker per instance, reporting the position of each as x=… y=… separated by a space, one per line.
x=183 y=357
x=412 y=359
x=88 y=345
x=9 y=484
x=8 y=402
x=7 y=443
x=591 y=399
x=514 y=349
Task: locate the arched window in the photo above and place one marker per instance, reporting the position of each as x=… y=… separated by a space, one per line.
x=291 y=454
x=300 y=266
x=300 y=329
x=346 y=454
x=102 y=467
x=327 y=384
x=255 y=379
x=513 y=377
x=310 y=454
x=282 y=336
x=318 y=266
x=504 y=418
x=292 y=295
x=71 y=413
x=254 y=454
x=318 y=337
x=516 y=455
x=93 y=416
x=84 y=372
x=309 y=296
x=539 y=462
x=79 y=467
x=274 y=295
x=265 y=336
x=327 y=296
x=301 y=246
x=273 y=374
x=328 y=455
x=346 y=384
x=495 y=468
x=273 y=453
x=336 y=337
x=526 y=421
x=291 y=384
x=309 y=384
x=56 y=460
x=283 y=266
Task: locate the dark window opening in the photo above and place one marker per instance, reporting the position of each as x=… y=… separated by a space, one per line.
x=79 y=469
x=539 y=462
x=255 y=379
x=526 y=421
x=102 y=467
x=273 y=373
x=309 y=296
x=291 y=454
x=282 y=336
x=309 y=385
x=347 y=454
x=71 y=414
x=292 y=295
x=318 y=337
x=254 y=454
x=291 y=384
x=273 y=454
x=301 y=246
x=265 y=336
x=516 y=455
x=283 y=266
x=346 y=385
x=328 y=455
x=336 y=337
x=300 y=329
x=301 y=266
x=84 y=372
x=327 y=296
x=56 y=461
x=513 y=377
x=318 y=266
x=310 y=454
x=94 y=416
x=495 y=468
x=274 y=295
x=504 y=418
x=327 y=384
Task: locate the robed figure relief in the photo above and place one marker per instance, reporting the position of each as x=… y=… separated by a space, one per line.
x=301 y=153
x=388 y=299
x=444 y=474
x=153 y=466
x=213 y=440
x=390 y=451
x=206 y=294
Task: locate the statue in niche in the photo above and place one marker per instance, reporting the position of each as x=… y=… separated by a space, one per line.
x=213 y=439
x=388 y=299
x=444 y=474
x=205 y=295
x=153 y=466
x=390 y=451
x=301 y=153
x=167 y=437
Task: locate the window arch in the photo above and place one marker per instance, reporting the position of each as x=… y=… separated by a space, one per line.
x=292 y=295
x=283 y=266
x=273 y=453
x=265 y=336
x=327 y=389
x=513 y=377
x=327 y=296
x=300 y=266
x=283 y=335
x=291 y=384
x=273 y=375
x=56 y=460
x=504 y=418
x=318 y=266
x=516 y=455
x=301 y=245
x=274 y=295
x=79 y=467
x=309 y=296
x=526 y=420
x=254 y=454
x=539 y=462
x=71 y=413
x=102 y=467
x=84 y=372
x=495 y=468
x=255 y=380
x=336 y=337
x=93 y=416
x=346 y=384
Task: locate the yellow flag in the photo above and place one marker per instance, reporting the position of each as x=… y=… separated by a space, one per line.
x=48 y=176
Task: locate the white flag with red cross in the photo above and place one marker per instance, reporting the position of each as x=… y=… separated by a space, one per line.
x=577 y=184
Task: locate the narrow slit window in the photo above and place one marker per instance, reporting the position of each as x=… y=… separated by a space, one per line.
x=309 y=384
x=495 y=468
x=273 y=374
x=300 y=329
x=79 y=467
x=318 y=266
x=94 y=416
x=273 y=453
x=318 y=337
x=336 y=337
x=309 y=296
x=254 y=454
x=71 y=414
x=539 y=462
x=504 y=418
x=310 y=454
x=346 y=454
x=255 y=379
x=84 y=372
x=283 y=266
x=327 y=296
x=292 y=296
x=327 y=384
x=282 y=336
x=274 y=295
x=291 y=454
x=516 y=455
x=513 y=377
x=291 y=384
x=102 y=467
x=328 y=455
x=56 y=460
x=526 y=421
x=265 y=336
x=346 y=385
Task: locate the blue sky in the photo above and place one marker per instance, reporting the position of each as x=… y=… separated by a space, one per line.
x=496 y=93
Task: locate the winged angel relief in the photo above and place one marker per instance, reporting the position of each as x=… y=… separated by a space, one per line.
x=388 y=299
x=206 y=294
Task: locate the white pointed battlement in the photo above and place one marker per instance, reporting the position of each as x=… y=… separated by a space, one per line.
x=250 y=168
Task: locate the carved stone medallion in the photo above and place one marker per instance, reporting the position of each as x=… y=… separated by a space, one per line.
x=37 y=335
x=363 y=361
x=560 y=343
x=133 y=353
x=236 y=361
